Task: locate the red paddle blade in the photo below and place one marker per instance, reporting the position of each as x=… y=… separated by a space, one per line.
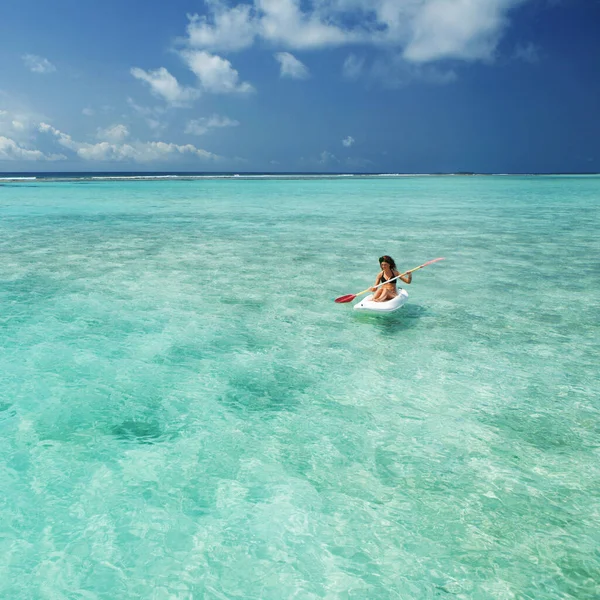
x=346 y=298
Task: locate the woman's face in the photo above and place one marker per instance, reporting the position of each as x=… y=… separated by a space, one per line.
x=384 y=265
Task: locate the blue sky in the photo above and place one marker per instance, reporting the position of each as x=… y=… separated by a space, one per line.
x=290 y=85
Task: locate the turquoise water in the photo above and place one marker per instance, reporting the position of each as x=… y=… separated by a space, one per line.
x=186 y=413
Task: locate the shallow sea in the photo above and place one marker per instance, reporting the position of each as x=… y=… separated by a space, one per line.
x=185 y=413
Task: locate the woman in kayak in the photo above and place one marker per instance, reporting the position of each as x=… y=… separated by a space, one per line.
x=388 y=271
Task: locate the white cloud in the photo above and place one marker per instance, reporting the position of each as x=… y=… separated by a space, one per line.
x=352 y=67
x=114 y=133
x=417 y=31
x=38 y=64
x=224 y=29
x=215 y=73
x=277 y=21
x=462 y=29
x=424 y=30
x=11 y=150
x=290 y=66
x=164 y=85
x=202 y=125
x=63 y=138
x=17 y=126
x=283 y=22
x=348 y=141
x=141 y=152
x=88 y=112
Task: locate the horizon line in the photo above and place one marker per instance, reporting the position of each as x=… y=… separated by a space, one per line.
x=241 y=173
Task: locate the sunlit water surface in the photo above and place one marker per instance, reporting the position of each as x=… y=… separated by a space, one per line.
x=186 y=413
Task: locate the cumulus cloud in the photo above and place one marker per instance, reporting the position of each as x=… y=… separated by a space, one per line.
x=423 y=30
x=416 y=31
x=114 y=133
x=277 y=21
x=140 y=152
x=63 y=138
x=202 y=125
x=164 y=85
x=223 y=28
x=11 y=150
x=283 y=22
x=348 y=141
x=290 y=66
x=215 y=74
x=17 y=126
x=463 y=29
x=38 y=64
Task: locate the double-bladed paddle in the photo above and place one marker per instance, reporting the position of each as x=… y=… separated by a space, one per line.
x=350 y=297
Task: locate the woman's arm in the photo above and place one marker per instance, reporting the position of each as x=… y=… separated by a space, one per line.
x=377 y=281
x=406 y=278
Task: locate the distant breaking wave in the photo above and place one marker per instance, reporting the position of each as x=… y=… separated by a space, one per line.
x=97 y=177
x=74 y=177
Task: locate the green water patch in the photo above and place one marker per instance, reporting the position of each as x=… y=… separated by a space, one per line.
x=139 y=431
x=274 y=388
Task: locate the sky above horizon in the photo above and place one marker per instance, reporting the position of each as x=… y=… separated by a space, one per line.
x=407 y=86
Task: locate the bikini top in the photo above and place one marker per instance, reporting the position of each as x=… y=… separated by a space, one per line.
x=384 y=280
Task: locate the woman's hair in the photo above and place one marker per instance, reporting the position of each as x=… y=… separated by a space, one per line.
x=389 y=260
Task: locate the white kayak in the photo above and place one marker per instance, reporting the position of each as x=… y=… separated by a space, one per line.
x=367 y=305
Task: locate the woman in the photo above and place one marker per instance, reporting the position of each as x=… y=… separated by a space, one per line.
x=388 y=271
